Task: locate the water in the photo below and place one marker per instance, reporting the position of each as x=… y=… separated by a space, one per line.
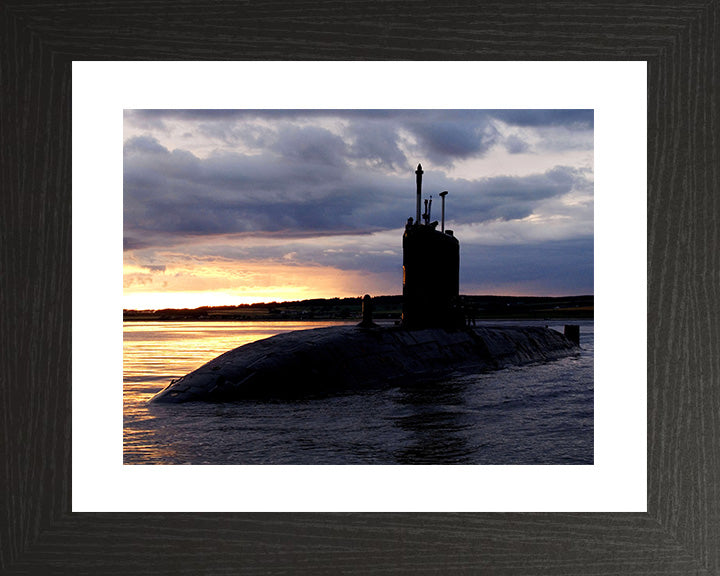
x=535 y=414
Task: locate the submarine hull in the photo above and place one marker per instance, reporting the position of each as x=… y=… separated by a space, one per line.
x=351 y=358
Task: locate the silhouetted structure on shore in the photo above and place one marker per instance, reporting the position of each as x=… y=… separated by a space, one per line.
x=384 y=307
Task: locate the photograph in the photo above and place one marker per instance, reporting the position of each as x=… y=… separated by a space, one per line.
x=475 y=238
x=358 y=286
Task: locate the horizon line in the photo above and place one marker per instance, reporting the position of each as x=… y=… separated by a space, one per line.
x=278 y=302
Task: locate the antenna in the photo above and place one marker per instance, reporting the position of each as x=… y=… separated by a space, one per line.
x=442 y=195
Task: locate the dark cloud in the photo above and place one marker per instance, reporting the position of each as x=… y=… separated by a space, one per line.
x=547 y=268
x=516 y=145
x=176 y=193
x=131 y=243
x=573 y=119
x=303 y=187
x=377 y=144
x=228 y=132
x=144 y=119
x=579 y=119
x=449 y=141
x=141 y=145
x=301 y=179
x=311 y=146
x=506 y=197
x=364 y=256
x=551 y=267
x=376 y=137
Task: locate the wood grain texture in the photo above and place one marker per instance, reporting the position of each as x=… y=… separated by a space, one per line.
x=681 y=532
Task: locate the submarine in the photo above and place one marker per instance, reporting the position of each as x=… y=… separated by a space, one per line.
x=433 y=339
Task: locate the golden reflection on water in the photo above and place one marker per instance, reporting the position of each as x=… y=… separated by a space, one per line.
x=156 y=352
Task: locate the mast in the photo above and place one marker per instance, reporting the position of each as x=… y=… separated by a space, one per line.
x=418 y=180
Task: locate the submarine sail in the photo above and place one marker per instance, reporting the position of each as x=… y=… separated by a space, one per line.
x=431 y=272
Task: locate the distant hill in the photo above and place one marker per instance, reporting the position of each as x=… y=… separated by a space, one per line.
x=530 y=307
x=385 y=308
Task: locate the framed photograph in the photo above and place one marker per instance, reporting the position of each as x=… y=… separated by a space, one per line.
x=644 y=501
x=528 y=222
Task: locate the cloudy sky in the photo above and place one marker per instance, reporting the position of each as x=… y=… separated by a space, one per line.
x=240 y=206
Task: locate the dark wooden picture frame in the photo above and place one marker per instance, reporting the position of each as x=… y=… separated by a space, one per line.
x=680 y=533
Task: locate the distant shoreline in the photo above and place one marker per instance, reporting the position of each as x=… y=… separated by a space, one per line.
x=385 y=308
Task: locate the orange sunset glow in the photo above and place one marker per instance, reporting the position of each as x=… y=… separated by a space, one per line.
x=221 y=284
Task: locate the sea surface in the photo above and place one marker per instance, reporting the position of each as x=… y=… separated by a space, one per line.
x=534 y=414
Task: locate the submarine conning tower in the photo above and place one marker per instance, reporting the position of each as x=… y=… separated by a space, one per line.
x=431 y=270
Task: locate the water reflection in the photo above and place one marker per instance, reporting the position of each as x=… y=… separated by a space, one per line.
x=532 y=415
x=436 y=423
